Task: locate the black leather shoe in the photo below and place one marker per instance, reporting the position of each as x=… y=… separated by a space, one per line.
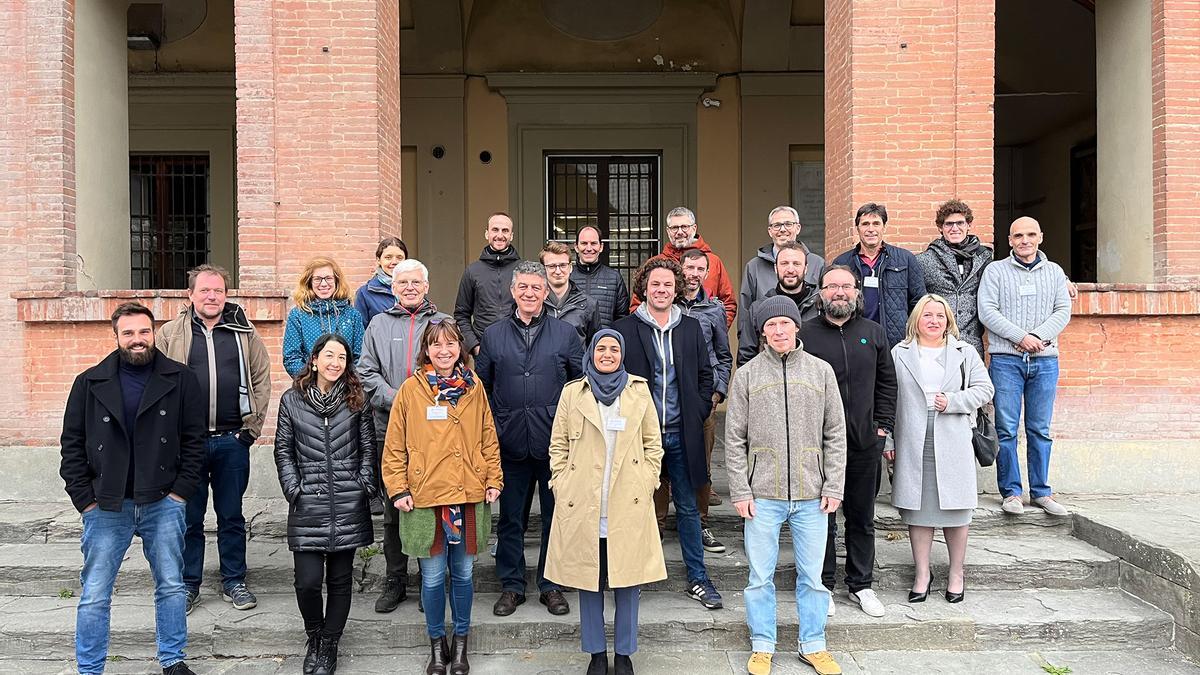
x=622 y=665
x=327 y=656
x=555 y=602
x=179 y=668
x=311 y=648
x=458 y=656
x=508 y=603
x=953 y=598
x=920 y=597
x=598 y=664
x=439 y=656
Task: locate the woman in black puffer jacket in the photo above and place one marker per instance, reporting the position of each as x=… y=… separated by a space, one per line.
x=325 y=453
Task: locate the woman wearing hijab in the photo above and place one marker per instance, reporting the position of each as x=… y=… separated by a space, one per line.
x=441 y=468
x=375 y=296
x=605 y=454
x=325 y=454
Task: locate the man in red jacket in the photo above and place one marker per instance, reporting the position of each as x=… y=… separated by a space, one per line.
x=681 y=236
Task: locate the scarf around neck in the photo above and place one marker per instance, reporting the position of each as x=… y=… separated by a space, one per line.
x=606 y=387
x=326 y=403
x=966 y=250
x=383 y=277
x=450 y=388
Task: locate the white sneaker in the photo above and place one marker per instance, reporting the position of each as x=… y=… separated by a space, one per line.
x=869 y=602
x=1013 y=505
x=1050 y=506
x=832 y=607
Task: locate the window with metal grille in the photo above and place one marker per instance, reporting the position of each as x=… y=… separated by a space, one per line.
x=619 y=195
x=169 y=218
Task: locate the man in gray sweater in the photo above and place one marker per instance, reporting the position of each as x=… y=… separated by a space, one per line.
x=1024 y=304
x=785 y=450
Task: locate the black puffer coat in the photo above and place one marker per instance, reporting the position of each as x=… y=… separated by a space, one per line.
x=606 y=286
x=327 y=472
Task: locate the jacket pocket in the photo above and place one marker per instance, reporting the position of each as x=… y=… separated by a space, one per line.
x=765 y=479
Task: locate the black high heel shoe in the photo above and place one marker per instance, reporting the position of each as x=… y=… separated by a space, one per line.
x=953 y=598
x=920 y=597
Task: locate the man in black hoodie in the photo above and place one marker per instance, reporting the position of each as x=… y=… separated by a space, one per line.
x=859 y=352
x=483 y=294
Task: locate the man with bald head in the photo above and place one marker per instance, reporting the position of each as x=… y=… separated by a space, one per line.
x=597 y=280
x=1024 y=304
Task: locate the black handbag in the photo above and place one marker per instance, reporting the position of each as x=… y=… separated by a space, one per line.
x=984 y=439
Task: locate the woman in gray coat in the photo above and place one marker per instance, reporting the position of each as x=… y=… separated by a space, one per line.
x=942 y=382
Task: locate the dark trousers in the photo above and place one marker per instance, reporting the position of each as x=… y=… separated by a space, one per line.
x=591 y=614
x=336 y=572
x=393 y=549
x=227 y=469
x=520 y=479
x=858 y=507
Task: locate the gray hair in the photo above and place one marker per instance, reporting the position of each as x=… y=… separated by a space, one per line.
x=682 y=211
x=777 y=209
x=410 y=264
x=529 y=267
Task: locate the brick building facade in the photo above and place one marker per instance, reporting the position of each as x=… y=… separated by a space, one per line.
x=321 y=93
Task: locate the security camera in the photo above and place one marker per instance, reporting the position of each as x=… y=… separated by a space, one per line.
x=710 y=102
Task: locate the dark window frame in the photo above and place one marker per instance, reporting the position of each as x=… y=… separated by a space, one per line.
x=170 y=217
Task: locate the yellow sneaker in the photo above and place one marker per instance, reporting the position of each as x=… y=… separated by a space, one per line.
x=760 y=664
x=822 y=662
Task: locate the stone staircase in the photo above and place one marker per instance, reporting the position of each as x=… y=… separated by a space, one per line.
x=1036 y=596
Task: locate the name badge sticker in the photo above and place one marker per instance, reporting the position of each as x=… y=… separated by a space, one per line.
x=871 y=282
x=1027 y=290
x=436 y=412
x=615 y=424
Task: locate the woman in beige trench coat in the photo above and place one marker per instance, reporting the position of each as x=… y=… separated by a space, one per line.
x=605 y=454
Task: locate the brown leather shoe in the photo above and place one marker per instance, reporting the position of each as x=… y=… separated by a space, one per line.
x=439 y=656
x=555 y=602
x=458 y=656
x=508 y=602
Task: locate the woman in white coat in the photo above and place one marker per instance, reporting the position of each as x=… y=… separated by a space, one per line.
x=942 y=382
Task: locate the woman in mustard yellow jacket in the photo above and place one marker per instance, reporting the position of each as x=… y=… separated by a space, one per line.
x=441 y=468
x=605 y=454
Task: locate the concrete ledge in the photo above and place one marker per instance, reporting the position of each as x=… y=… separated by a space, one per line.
x=1137 y=299
x=97 y=306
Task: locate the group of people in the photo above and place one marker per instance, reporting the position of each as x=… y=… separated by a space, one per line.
x=552 y=379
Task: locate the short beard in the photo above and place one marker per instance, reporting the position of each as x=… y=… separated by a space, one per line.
x=792 y=289
x=136 y=358
x=840 y=309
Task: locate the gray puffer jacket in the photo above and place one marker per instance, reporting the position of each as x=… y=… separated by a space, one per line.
x=759 y=275
x=785 y=429
x=606 y=286
x=327 y=473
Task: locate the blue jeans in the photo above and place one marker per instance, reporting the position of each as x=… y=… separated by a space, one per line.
x=687 y=513
x=809 y=529
x=1033 y=381
x=227 y=469
x=106 y=537
x=433 y=588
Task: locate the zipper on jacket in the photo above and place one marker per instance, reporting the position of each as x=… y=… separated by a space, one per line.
x=329 y=481
x=845 y=359
x=787 y=426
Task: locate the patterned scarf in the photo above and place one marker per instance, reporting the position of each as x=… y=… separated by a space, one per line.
x=383 y=277
x=451 y=518
x=326 y=404
x=450 y=388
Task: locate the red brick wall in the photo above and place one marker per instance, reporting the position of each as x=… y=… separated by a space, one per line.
x=1175 y=76
x=908 y=122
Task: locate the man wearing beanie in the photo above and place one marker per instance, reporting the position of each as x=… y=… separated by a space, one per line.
x=857 y=350
x=785 y=450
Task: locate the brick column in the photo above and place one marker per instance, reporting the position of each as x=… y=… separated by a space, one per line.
x=909 y=88
x=318 y=125
x=1175 y=73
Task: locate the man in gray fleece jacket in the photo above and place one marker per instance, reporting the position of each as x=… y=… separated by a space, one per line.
x=785 y=450
x=1024 y=304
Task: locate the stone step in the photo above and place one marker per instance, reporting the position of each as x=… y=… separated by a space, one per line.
x=41 y=628
x=1159 y=661
x=40 y=522
x=993 y=562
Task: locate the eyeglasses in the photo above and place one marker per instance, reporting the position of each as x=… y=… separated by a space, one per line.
x=324 y=281
x=679 y=228
x=775 y=227
x=409 y=283
x=839 y=287
x=557 y=267
x=955 y=225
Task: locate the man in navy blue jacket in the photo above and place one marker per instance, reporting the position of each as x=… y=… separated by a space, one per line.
x=892 y=278
x=523 y=363
x=667 y=347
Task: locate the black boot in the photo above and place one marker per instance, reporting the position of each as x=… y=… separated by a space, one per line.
x=622 y=665
x=458 y=656
x=439 y=656
x=599 y=664
x=311 y=647
x=327 y=656
x=394 y=592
